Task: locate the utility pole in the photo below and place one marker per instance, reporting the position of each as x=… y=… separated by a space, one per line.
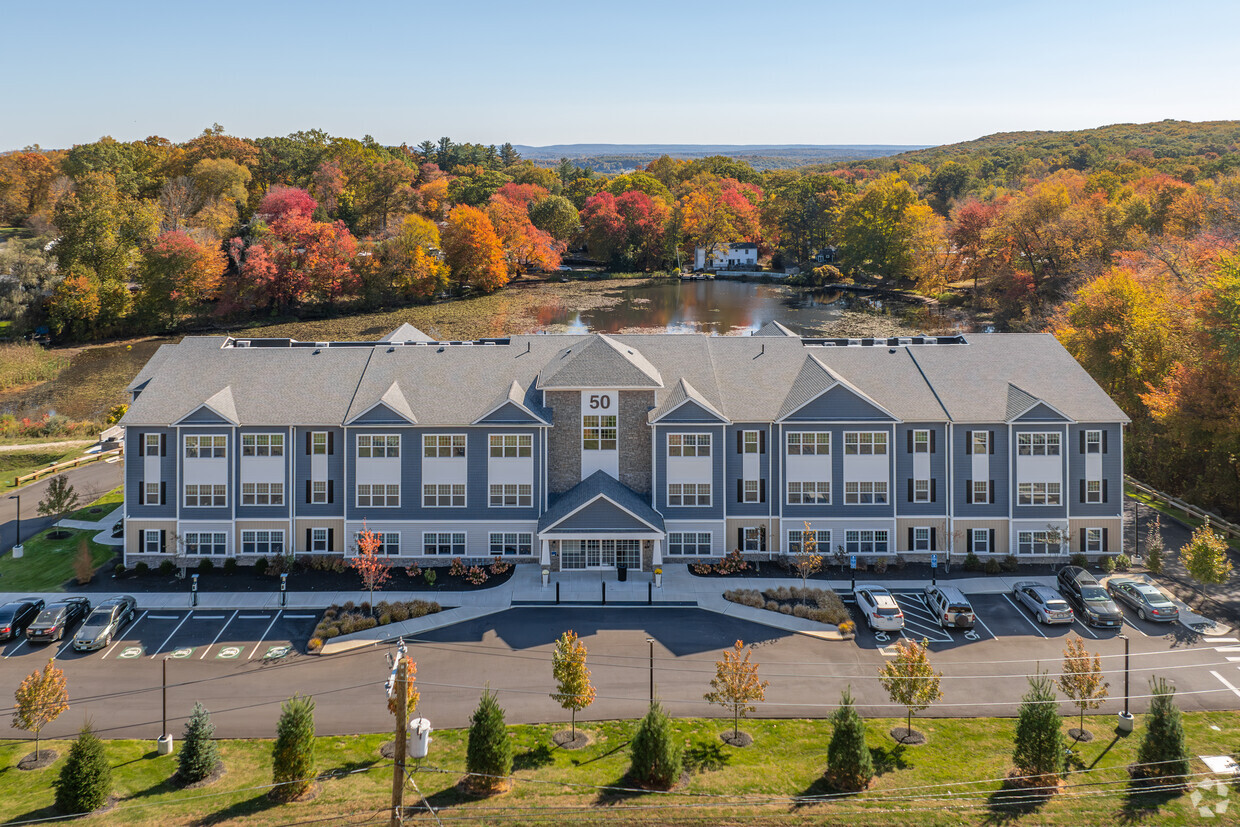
x=399 y=748
x=650 y=640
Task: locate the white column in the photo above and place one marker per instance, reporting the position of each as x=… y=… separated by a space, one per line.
x=545 y=557
x=657 y=557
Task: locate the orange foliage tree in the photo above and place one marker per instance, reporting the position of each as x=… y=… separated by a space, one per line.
x=370 y=563
x=473 y=250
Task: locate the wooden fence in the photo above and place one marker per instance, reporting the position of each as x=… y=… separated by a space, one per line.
x=1216 y=522
x=60 y=466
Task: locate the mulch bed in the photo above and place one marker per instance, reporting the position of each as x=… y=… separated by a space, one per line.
x=47 y=757
x=908 y=737
x=1080 y=736
x=216 y=775
x=736 y=739
x=309 y=795
x=474 y=787
x=1016 y=781
x=564 y=739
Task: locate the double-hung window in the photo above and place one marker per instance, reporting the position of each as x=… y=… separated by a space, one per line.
x=821 y=544
x=808 y=442
x=754 y=539
x=865 y=542
x=447 y=543
x=751 y=442
x=921 y=539
x=443 y=446
x=508 y=542
x=598 y=433
x=266 y=543
x=688 y=445
x=1038 y=493
x=921 y=491
x=378 y=495
x=206 y=496
x=689 y=543
x=751 y=491
x=151 y=541
x=1037 y=445
x=205 y=447
x=1093 y=491
x=511 y=496
x=150 y=496
x=688 y=493
x=378 y=445
x=443 y=496
x=262 y=493
x=981 y=540
x=865 y=493
x=921 y=442
x=1093 y=442
x=152 y=444
x=865 y=442
x=1036 y=542
x=318 y=539
x=809 y=493
x=318 y=443
x=509 y=446
x=981 y=491
x=206 y=543
x=262 y=445
x=1093 y=539
x=318 y=492
x=981 y=442
x=389 y=542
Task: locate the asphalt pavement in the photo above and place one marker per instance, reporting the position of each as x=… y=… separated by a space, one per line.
x=89 y=481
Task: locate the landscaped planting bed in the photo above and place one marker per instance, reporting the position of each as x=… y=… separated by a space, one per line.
x=821 y=605
x=346 y=619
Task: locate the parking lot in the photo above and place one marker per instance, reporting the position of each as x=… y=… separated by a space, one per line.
x=204 y=635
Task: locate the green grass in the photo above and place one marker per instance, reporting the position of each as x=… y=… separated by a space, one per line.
x=15 y=464
x=107 y=502
x=47 y=564
x=1173 y=512
x=950 y=780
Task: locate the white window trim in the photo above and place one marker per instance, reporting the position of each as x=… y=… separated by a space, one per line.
x=751 y=439
x=271 y=534
x=980 y=439
x=876 y=439
x=824 y=500
x=317 y=536
x=1093 y=440
x=801 y=443
x=1094 y=496
x=606 y=422
x=1093 y=540
x=149 y=497
x=921 y=495
x=274 y=494
x=450 y=535
x=316 y=443
x=921 y=538
x=985 y=489
x=1033 y=490
x=922 y=447
x=984 y=534
x=522 y=444
x=697 y=543
x=198 y=493
x=524 y=538
x=697 y=497
x=390 y=451
x=272 y=440
x=198 y=440
x=877 y=488
x=1031 y=440
x=357 y=498
x=451 y=494
x=702 y=445
x=529 y=495
x=147 y=535
x=151 y=442
x=823 y=543
x=756 y=492
x=452 y=446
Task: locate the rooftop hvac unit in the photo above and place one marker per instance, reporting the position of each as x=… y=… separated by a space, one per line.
x=241 y=343
x=322 y=344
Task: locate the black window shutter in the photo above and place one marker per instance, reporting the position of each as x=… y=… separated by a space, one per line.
x=968 y=442
x=331 y=442
x=969 y=541
x=991 y=441
x=308 y=448
x=934 y=496
x=968 y=491
x=911 y=540
x=1104 y=490
x=1106 y=546
x=740 y=491
x=331 y=491
x=932 y=448
x=762 y=442
x=163 y=493
x=761 y=538
x=309 y=539
x=910 y=489
x=1082 y=435
x=141 y=445
x=1104 y=442
x=909 y=434
x=1082 y=539
x=163 y=541
x=761 y=491
x=934 y=539
x=992 y=540
x=307 y=490
x=163 y=445
x=992 y=490
x=142 y=492
x=1082 y=490
x=740 y=442
x=331 y=539
x=740 y=538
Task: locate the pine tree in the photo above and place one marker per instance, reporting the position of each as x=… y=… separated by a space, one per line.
x=1040 y=750
x=85 y=781
x=849 y=765
x=293 y=755
x=1163 y=754
x=568 y=664
x=657 y=759
x=199 y=754
x=489 y=752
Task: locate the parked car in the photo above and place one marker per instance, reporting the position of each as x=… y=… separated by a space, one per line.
x=106 y=621
x=1084 y=592
x=57 y=618
x=118 y=529
x=1148 y=602
x=1046 y=604
x=950 y=606
x=16 y=615
x=881 y=611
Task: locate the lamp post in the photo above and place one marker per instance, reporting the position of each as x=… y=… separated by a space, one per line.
x=163 y=743
x=1125 y=717
x=17 y=538
x=650 y=640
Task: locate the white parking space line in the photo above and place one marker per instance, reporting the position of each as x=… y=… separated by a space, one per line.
x=1021 y=612
x=978 y=618
x=208 y=617
x=1221 y=639
x=12 y=650
x=265 y=631
x=65 y=648
x=132 y=626
x=300 y=617
x=1225 y=683
x=163 y=617
x=1078 y=622
x=1134 y=626
x=1227 y=648
x=217 y=636
x=1233 y=660
x=174 y=631
x=253 y=617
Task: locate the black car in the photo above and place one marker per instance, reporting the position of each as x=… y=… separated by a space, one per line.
x=17 y=615
x=1083 y=590
x=106 y=621
x=56 y=619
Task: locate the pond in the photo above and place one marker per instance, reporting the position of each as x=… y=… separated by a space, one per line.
x=718 y=306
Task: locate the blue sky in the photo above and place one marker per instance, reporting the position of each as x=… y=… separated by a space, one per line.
x=676 y=71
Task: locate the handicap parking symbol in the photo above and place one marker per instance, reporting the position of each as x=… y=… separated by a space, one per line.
x=972 y=635
x=229 y=652
x=183 y=652
x=130 y=652
x=276 y=652
x=881 y=637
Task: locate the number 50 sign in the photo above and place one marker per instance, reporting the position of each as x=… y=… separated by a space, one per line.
x=594 y=403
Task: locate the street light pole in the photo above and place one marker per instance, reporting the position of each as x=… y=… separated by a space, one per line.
x=17 y=538
x=650 y=640
x=1125 y=717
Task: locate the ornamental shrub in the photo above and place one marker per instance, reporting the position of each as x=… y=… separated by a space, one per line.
x=292 y=770
x=657 y=758
x=1163 y=754
x=489 y=751
x=1040 y=750
x=199 y=754
x=849 y=764
x=85 y=782
x=167 y=568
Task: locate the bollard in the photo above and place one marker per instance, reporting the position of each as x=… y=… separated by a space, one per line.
x=557 y=593
x=650 y=594
x=604 y=592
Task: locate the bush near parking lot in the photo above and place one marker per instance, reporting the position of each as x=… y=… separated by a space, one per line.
x=346 y=619
x=821 y=605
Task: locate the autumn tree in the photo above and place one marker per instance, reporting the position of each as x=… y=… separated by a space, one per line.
x=293 y=261
x=281 y=201
x=412 y=694
x=177 y=275
x=806 y=559
x=1039 y=754
x=736 y=685
x=370 y=562
x=715 y=212
x=568 y=665
x=1081 y=680
x=25 y=185
x=59 y=498
x=555 y=214
x=39 y=700
x=473 y=250
x=409 y=260
x=602 y=227
x=525 y=245
x=910 y=680
x=75 y=305
x=885 y=230
x=1205 y=557
x=384 y=188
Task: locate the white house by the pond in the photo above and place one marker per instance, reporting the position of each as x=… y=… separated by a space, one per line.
x=737 y=256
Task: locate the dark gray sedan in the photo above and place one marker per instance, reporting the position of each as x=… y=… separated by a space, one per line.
x=105 y=622
x=1147 y=601
x=56 y=619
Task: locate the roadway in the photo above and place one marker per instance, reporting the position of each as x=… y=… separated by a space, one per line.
x=89 y=481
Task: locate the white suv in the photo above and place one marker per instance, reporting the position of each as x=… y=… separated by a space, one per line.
x=881 y=611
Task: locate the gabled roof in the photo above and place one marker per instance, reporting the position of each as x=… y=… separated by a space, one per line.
x=813 y=381
x=394 y=400
x=515 y=396
x=600 y=362
x=406 y=333
x=773 y=328
x=220 y=403
x=1020 y=403
x=680 y=394
x=599 y=486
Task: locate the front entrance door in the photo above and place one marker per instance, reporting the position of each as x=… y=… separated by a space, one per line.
x=580 y=555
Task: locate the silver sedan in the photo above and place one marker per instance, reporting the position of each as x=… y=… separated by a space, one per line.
x=1046 y=604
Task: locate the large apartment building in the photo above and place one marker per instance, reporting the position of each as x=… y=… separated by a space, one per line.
x=592 y=451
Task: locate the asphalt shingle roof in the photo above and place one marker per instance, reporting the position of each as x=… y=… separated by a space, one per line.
x=592 y=486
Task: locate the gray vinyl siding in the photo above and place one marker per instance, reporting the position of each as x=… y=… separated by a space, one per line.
x=602 y=517
x=380 y=415
x=839 y=403
x=1112 y=470
x=205 y=416
x=410 y=452
x=734 y=467
x=261 y=512
x=838 y=507
x=1033 y=512
x=225 y=513
x=963 y=471
x=719 y=490
x=135 y=468
x=904 y=470
x=477 y=491
x=689 y=411
x=508 y=414
x=1040 y=413
x=335 y=473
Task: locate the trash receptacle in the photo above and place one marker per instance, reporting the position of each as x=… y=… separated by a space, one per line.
x=623 y=571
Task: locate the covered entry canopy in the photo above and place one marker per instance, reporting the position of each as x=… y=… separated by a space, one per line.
x=600 y=508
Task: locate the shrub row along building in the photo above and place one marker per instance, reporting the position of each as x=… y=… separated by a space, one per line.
x=593 y=451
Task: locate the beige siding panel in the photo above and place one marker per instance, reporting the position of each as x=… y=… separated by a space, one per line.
x=298 y=541
x=1113 y=525
x=134 y=529
x=960 y=538
x=903 y=524
x=771 y=524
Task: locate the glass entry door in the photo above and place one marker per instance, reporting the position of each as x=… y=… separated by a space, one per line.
x=580 y=555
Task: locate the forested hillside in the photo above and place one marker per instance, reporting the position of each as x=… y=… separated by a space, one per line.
x=1123 y=240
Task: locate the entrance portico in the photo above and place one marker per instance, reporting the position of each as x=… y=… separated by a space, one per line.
x=600 y=524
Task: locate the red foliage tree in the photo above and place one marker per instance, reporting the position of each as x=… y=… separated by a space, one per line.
x=523 y=194
x=603 y=226
x=177 y=274
x=281 y=201
x=369 y=562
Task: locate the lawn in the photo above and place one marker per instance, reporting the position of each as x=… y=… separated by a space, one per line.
x=108 y=502
x=953 y=779
x=15 y=464
x=47 y=564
